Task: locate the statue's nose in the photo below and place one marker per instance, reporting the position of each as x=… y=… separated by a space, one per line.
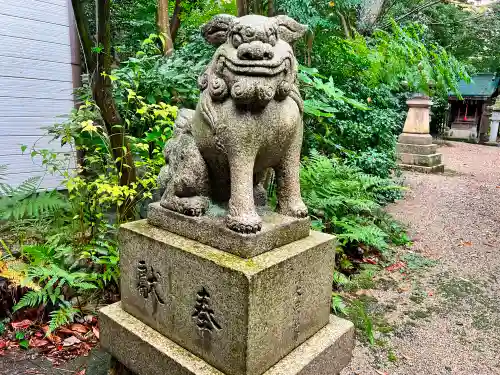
x=255 y=50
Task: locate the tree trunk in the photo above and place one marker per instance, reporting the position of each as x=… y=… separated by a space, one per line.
x=175 y=23
x=103 y=97
x=242 y=7
x=270 y=8
x=370 y=11
x=164 y=27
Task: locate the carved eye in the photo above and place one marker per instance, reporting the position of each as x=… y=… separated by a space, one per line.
x=237 y=40
x=249 y=32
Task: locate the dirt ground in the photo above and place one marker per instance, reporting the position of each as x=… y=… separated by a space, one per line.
x=445 y=319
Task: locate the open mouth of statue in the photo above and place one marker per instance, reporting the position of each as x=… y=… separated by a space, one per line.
x=258 y=67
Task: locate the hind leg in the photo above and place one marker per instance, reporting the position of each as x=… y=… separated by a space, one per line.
x=187 y=187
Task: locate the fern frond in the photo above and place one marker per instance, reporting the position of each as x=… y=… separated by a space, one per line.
x=6 y=189
x=370 y=235
x=64 y=315
x=3 y=171
x=28 y=186
x=31 y=299
x=20 y=206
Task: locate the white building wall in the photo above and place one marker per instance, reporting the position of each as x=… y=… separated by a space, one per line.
x=35 y=81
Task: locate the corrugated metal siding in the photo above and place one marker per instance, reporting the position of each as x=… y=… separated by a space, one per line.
x=35 y=82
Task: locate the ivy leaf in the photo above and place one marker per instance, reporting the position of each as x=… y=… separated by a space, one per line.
x=24 y=344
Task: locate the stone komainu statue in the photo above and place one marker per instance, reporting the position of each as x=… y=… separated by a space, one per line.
x=248 y=119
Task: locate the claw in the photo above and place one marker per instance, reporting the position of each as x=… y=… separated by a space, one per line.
x=246 y=224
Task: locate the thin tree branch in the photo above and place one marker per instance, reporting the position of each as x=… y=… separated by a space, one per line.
x=417 y=9
x=175 y=23
x=347 y=32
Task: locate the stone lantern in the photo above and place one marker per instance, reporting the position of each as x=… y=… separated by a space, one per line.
x=495 y=120
x=415 y=148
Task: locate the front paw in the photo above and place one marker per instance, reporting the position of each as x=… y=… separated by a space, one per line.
x=294 y=209
x=246 y=224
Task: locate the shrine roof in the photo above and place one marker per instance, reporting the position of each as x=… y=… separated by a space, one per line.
x=481 y=85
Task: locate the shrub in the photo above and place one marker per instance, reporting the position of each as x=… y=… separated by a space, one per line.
x=347 y=202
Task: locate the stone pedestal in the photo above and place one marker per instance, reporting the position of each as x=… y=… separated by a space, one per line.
x=190 y=308
x=414 y=148
x=145 y=351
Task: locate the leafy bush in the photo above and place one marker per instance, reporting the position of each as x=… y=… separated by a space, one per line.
x=157 y=78
x=75 y=262
x=345 y=201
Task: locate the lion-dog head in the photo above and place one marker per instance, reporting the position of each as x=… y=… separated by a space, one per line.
x=254 y=63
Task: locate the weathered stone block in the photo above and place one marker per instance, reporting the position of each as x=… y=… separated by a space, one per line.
x=418 y=118
x=424 y=160
x=422 y=169
x=416 y=149
x=415 y=139
x=146 y=352
x=240 y=315
x=277 y=230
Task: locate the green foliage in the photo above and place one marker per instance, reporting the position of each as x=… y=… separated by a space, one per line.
x=21 y=336
x=54 y=281
x=25 y=201
x=338 y=305
x=468 y=33
x=63 y=315
x=358 y=314
x=56 y=278
x=160 y=79
x=2 y=328
x=344 y=200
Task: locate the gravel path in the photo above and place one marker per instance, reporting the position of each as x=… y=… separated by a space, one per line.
x=453 y=327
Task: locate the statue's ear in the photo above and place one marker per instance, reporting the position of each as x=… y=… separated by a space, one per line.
x=216 y=30
x=290 y=30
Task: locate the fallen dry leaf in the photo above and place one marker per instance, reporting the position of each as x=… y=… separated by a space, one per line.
x=65 y=330
x=381 y=372
x=26 y=323
x=81 y=372
x=37 y=343
x=96 y=331
x=3 y=344
x=396 y=266
x=80 y=328
x=369 y=260
x=70 y=341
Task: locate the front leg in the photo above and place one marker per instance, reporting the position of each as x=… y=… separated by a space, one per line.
x=242 y=216
x=290 y=202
